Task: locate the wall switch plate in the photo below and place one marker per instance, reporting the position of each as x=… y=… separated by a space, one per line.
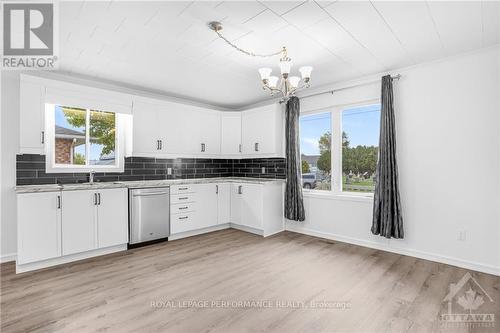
x=169 y=171
x=263 y=170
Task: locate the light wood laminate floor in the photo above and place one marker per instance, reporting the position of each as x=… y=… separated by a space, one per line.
x=286 y=273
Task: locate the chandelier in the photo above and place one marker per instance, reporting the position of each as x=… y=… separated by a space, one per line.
x=284 y=85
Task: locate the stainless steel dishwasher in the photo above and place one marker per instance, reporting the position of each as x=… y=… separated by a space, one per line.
x=149 y=214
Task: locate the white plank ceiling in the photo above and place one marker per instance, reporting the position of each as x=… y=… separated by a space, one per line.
x=166 y=47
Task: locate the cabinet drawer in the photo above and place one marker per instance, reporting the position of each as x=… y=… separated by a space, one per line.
x=182 y=198
x=179 y=189
x=182 y=208
x=183 y=222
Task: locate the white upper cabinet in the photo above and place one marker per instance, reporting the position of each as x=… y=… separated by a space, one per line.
x=171 y=125
x=32 y=120
x=262 y=130
x=205 y=129
x=166 y=129
x=146 y=139
x=231 y=133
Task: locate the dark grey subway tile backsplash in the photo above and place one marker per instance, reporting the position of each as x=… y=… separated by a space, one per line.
x=31 y=169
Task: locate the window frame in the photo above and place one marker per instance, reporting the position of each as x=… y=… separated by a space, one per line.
x=336 y=151
x=52 y=167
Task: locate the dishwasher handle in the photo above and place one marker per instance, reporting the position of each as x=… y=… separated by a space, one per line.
x=149 y=194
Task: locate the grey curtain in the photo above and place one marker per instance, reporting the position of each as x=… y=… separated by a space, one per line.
x=294 y=204
x=387 y=215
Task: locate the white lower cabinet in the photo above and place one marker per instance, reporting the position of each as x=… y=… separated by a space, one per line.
x=223 y=203
x=253 y=207
x=198 y=206
x=112 y=217
x=257 y=207
x=59 y=224
x=79 y=224
x=247 y=204
x=38 y=226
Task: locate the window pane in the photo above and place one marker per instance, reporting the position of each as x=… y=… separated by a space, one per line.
x=360 y=133
x=102 y=138
x=316 y=149
x=69 y=143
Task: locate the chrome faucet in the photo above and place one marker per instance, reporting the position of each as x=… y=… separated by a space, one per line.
x=91 y=176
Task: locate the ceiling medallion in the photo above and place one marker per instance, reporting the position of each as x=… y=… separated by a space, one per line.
x=284 y=85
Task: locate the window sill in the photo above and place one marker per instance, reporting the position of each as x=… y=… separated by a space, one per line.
x=357 y=197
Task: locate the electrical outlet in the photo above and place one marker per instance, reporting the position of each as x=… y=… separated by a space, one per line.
x=263 y=170
x=462 y=235
x=169 y=171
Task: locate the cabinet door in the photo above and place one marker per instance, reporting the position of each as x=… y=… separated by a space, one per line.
x=252 y=205
x=231 y=133
x=32 y=120
x=236 y=199
x=79 y=231
x=206 y=205
x=38 y=227
x=224 y=203
x=112 y=217
x=176 y=137
x=260 y=130
x=145 y=134
x=207 y=128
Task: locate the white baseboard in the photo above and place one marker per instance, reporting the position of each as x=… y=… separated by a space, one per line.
x=484 y=268
x=8 y=257
x=198 y=231
x=251 y=230
x=69 y=258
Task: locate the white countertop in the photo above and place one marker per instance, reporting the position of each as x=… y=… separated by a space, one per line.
x=140 y=184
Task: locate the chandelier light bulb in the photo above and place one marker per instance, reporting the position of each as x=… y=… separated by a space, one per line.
x=294 y=81
x=305 y=71
x=273 y=81
x=285 y=67
x=265 y=73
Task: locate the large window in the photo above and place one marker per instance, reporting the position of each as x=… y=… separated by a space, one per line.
x=339 y=148
x=82 y=139
x=316 y=152
x=360 y=132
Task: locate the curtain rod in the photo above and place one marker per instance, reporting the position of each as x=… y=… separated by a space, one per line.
x=396 y=77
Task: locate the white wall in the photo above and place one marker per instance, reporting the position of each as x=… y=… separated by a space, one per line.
x=9 y=132
x=448 y=149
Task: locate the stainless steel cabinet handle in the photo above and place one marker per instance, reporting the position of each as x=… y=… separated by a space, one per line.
x=240 y=189
x=239 y=147
x=182 y=208
x=216 y=189
x=183 y=198
x=256 y=146
x=161 y=144
x=183 y=217
x=95 y=199
x=43 y=137
x=99 y=199
x=157 y=144
x=203 y=146
x=58 y=202
x=183 y=188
